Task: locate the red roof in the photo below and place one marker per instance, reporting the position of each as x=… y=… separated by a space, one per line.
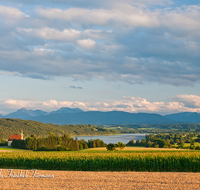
x=17 y=137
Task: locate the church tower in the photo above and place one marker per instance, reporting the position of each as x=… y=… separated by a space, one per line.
x=21 y=134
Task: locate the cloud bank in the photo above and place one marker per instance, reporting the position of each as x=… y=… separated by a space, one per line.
x=131 y=41
x=179 y=103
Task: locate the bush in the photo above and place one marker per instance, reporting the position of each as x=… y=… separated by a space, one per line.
x=120 y=145
x=43 y=148
x=156 y=146
x=197 y=148
x=191 y=147
x=4 y=143
x=60 y=148
x=111 y=146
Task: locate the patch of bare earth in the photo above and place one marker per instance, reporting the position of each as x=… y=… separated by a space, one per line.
x=100 y=180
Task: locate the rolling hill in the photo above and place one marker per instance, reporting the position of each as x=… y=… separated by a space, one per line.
x=14 y=126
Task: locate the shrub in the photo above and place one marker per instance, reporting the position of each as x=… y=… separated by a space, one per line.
x=156 y=146
x=110 y=146
x=43 y=148
x=197 y=148
x=60 y=148
x=3 y=143
x=120 y=145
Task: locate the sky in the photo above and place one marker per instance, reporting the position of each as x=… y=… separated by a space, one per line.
x=131 y=55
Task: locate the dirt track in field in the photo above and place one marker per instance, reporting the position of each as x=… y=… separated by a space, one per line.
x=101 y=180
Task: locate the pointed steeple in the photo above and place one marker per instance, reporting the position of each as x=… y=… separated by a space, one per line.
x=22 y=134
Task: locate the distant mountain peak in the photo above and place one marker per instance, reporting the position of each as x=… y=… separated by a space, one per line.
x=67 y=110
x=23 y=108
x=25 y=113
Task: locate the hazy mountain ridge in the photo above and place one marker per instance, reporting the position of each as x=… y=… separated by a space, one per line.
x=67 y=115
x=24 y=113
x=103 y=118
x=186 y=117
x=66 y=110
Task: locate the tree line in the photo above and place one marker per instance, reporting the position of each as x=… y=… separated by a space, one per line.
x=156 y=128
x=56 y=143
x=168 y=140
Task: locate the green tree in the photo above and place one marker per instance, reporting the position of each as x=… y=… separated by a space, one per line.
x=192 y=143
x=110 y=146
x=120 y=145
x=149 y=144
x=130 y=143
x=94 y=144
x=77 y=144
x=143 y=142
x=137 y=143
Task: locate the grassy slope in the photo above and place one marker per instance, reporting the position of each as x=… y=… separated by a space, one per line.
x=104 y=150
x=187 y=145
x=10 y=149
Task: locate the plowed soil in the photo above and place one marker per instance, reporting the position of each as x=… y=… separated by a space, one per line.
x=100 y=180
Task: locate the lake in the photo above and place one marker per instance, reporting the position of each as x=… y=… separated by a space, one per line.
x=125 y=138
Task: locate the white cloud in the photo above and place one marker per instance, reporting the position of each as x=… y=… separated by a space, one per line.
x=123 y=42
x=186 y=18
x=132 y=16
x=11 y=13
x=190 y=101
x=52 y=34
x=65 y=35
x=86 y=43
x=86 y=3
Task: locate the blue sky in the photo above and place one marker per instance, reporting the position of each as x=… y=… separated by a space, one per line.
x=130 y=55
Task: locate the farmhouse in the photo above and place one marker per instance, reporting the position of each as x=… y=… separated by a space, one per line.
x=17 y=137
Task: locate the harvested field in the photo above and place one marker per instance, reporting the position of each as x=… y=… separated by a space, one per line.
x=6 y=151
x=101 y=180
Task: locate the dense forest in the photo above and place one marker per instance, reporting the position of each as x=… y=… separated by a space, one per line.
x=14 y=126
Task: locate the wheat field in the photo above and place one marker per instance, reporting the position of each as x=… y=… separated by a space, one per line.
x=102 y=180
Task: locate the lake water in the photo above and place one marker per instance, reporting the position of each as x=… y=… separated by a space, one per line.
x=125 y=138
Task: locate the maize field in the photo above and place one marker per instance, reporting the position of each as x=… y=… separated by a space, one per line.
x=180 y=161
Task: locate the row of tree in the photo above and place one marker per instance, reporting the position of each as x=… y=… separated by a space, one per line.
x=112 y=146
x=167 y=140
x=56 y=143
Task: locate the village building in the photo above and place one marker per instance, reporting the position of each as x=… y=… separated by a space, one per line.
x=17 y=137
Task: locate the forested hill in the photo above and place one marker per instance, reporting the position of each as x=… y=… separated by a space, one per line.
x=14 y=126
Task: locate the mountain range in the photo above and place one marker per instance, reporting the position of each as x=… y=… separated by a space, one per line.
x=67 y=115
